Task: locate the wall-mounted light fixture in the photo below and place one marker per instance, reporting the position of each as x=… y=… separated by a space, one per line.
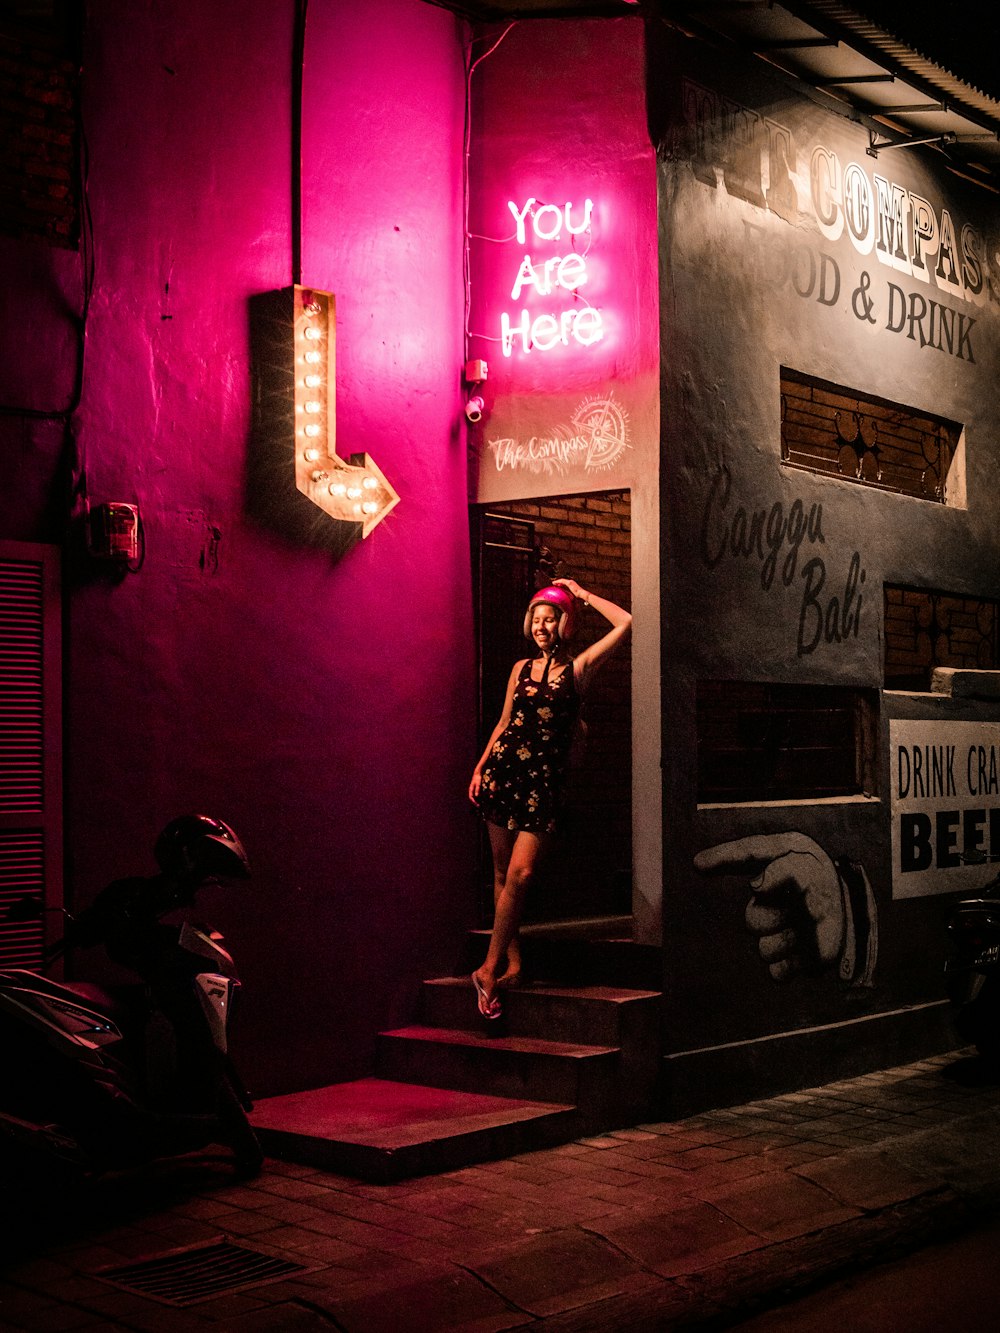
x=115 y=535
x=475 y=405
x=354 y=490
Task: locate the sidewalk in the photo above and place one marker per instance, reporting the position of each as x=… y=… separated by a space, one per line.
x=662 y=1226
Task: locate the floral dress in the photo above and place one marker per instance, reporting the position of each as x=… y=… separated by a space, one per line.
x=524 y=779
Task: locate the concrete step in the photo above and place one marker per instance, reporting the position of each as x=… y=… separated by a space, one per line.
x=588 y=1015
x=379 y=1130
x=588 y=953
x=572 y=1073
x=576 y=1052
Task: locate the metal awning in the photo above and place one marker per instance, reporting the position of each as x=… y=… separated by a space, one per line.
x=833 y=52
x=860 y=70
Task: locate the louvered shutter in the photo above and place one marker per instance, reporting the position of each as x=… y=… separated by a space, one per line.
x=30 y=743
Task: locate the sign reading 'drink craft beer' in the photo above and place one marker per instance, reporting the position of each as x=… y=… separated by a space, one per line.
x=945 y=804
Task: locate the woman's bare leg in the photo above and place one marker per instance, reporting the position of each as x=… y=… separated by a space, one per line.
x=502 y=843
x=502 y=846
x=523 y=853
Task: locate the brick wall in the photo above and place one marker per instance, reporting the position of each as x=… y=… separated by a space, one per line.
x=926 y=629
x=851 y=435
x=39 y=89
x=588 y=538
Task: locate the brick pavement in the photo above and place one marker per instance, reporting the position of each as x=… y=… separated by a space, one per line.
x=657 y=1226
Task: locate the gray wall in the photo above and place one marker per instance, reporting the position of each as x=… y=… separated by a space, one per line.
x=750 y=281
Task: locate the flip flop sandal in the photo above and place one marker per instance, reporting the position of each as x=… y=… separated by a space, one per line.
x=488 y=1008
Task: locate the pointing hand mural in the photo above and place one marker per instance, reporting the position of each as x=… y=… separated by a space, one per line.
x=808 y=912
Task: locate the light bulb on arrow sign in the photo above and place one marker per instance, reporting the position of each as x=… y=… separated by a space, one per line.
x=352 y=490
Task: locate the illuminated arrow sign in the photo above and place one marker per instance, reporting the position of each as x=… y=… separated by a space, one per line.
x=352 y=491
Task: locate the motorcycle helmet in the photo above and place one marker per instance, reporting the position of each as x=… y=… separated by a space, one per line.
x=562 y=601
x=198 y=847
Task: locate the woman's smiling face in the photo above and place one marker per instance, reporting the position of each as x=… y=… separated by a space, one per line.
x=544 y=625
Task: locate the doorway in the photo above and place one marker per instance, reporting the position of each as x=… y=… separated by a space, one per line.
x=519 y=546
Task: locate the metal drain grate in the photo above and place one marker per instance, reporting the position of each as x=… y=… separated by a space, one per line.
x=185 y=1277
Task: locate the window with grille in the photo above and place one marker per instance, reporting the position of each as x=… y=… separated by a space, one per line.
x=858 y=438
x=925 y=629
x=30 y=742
x=764 y=741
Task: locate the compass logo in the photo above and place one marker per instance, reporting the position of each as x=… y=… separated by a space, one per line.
x=595 y=440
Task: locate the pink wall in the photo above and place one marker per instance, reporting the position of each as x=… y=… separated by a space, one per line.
x=325 y=708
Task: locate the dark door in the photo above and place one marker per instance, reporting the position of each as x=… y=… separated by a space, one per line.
x=520 y=546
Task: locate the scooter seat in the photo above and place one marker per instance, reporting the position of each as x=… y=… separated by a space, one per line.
x=118 y=1004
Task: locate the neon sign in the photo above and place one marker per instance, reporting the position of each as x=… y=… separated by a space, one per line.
x=550 y=275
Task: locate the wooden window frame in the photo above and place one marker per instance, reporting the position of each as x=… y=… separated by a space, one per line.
x=858 y=438
x=947 y=629
x=784 y=741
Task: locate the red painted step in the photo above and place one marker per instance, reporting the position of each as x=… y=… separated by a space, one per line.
x=575 y=1052
x=383 y=1130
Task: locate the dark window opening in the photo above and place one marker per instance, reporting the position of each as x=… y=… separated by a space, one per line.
x=39 y=120
x=925 y=629
x=763 y=741
x=853 y=436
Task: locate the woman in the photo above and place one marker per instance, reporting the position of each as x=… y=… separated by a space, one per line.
x=519 y=783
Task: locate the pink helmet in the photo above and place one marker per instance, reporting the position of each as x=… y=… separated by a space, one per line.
x=561 y=600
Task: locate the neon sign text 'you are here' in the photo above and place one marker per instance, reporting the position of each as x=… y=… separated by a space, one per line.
x=549 y=276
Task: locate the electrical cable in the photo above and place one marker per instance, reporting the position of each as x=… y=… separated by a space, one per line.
x=298 y=79
x=471 y=67
x=78 y=471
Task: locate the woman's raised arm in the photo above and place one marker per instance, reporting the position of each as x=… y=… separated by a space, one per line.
x=591 y=658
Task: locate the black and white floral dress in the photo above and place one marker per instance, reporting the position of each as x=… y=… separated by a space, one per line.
x=524 y=780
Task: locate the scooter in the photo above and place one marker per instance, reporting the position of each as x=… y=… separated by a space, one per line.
x=972 y=973
x=99 y=1078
